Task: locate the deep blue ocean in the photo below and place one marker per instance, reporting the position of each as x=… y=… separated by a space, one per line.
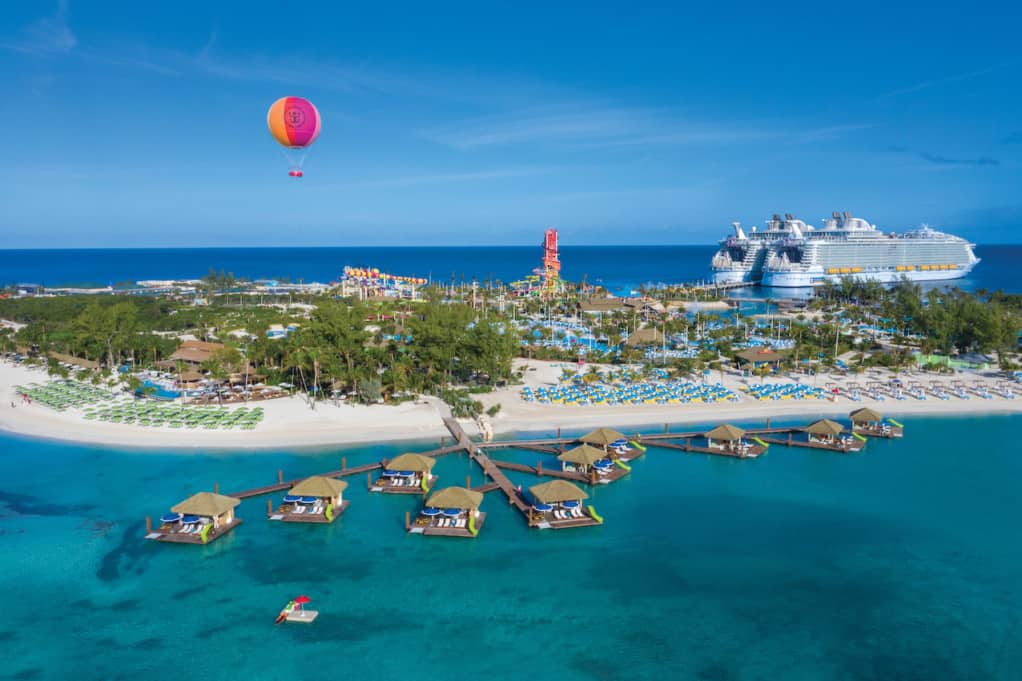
x=619 y=268
x=902 y=562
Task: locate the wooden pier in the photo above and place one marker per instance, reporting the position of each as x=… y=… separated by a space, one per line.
x=490 y=469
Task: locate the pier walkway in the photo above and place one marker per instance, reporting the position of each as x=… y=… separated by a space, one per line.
x=489 y=467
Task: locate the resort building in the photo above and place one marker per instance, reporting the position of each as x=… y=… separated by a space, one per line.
x=451 y=512
x=199 y=519
x=558 y=504
x=406 y=474
x=317 y=499
x=192 y=353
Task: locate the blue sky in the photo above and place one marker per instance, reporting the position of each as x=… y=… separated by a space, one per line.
x=143 y=124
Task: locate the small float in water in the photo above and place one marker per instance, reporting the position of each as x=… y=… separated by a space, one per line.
x=295 y=611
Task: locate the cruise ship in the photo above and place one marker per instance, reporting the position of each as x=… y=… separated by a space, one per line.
x=851 y=247
x=741 y=257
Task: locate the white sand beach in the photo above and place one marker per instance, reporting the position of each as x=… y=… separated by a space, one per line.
x=290 y=423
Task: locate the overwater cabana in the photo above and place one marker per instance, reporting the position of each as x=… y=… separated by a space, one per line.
x=615 y=444
x=558 y=504
x=406 y=474
x=731 y=439
x=589 y=461
x=451 y=512
x=199 y=519
x=317 y=499
x=602 y=437
x=829 y=433
x=870 y=422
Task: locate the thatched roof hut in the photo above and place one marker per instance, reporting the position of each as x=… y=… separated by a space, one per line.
x=456 y=497
x=726 y=432
x=825 y=428
x=601 y=437
x=557 y=491
x=866 y=415
x=763 y=355
x=206 y=504
x=417 y=463
x=585 y=455
x=645 y=336
x=319 y=486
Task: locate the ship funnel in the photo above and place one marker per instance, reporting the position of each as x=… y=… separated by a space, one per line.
x=848 y=215
x=777 y=217
x=739 y=234
x=835 y=215
x=787 y=216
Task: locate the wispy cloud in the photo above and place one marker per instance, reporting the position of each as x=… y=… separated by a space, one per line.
x=939 y=159
x=50 y=35
x=947 y=161
x=447 y=178
x=602 y=126
x=955 y=78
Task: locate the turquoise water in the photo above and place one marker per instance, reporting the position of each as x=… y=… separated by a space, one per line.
x=900 y=563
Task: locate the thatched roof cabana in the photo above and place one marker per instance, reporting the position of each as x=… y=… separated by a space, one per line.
x=825 y=427
x=456 y=497
x=726 y=432
x=866 y=415
x=645 y=336
x=319 y=486
x=585 y=455
x=206 y=504
x=417 y=463
x=761 y=355
x=557 y=491
x=601 y=437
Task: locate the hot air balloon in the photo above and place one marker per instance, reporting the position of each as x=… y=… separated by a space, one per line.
x=294 y=122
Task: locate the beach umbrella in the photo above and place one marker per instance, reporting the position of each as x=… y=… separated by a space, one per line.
x=301 y=600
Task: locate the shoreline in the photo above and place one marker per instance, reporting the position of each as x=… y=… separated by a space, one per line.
x=291 y=425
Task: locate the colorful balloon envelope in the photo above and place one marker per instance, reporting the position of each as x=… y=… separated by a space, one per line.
x=294 y=122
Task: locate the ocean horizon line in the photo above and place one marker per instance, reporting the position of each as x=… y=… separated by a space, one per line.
x=391 y=247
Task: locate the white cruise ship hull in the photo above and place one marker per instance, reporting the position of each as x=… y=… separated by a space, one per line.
x=734 y=276
x=816 y=276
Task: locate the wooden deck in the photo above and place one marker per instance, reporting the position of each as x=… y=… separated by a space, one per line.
x=430 y=530
x=287 y=516
x=853 y=447
x=547 y=521
x=891 y=433
x=179 y=538
x=383 y=486
x=752 y=452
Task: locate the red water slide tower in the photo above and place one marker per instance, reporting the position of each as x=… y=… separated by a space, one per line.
x=551 y=262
